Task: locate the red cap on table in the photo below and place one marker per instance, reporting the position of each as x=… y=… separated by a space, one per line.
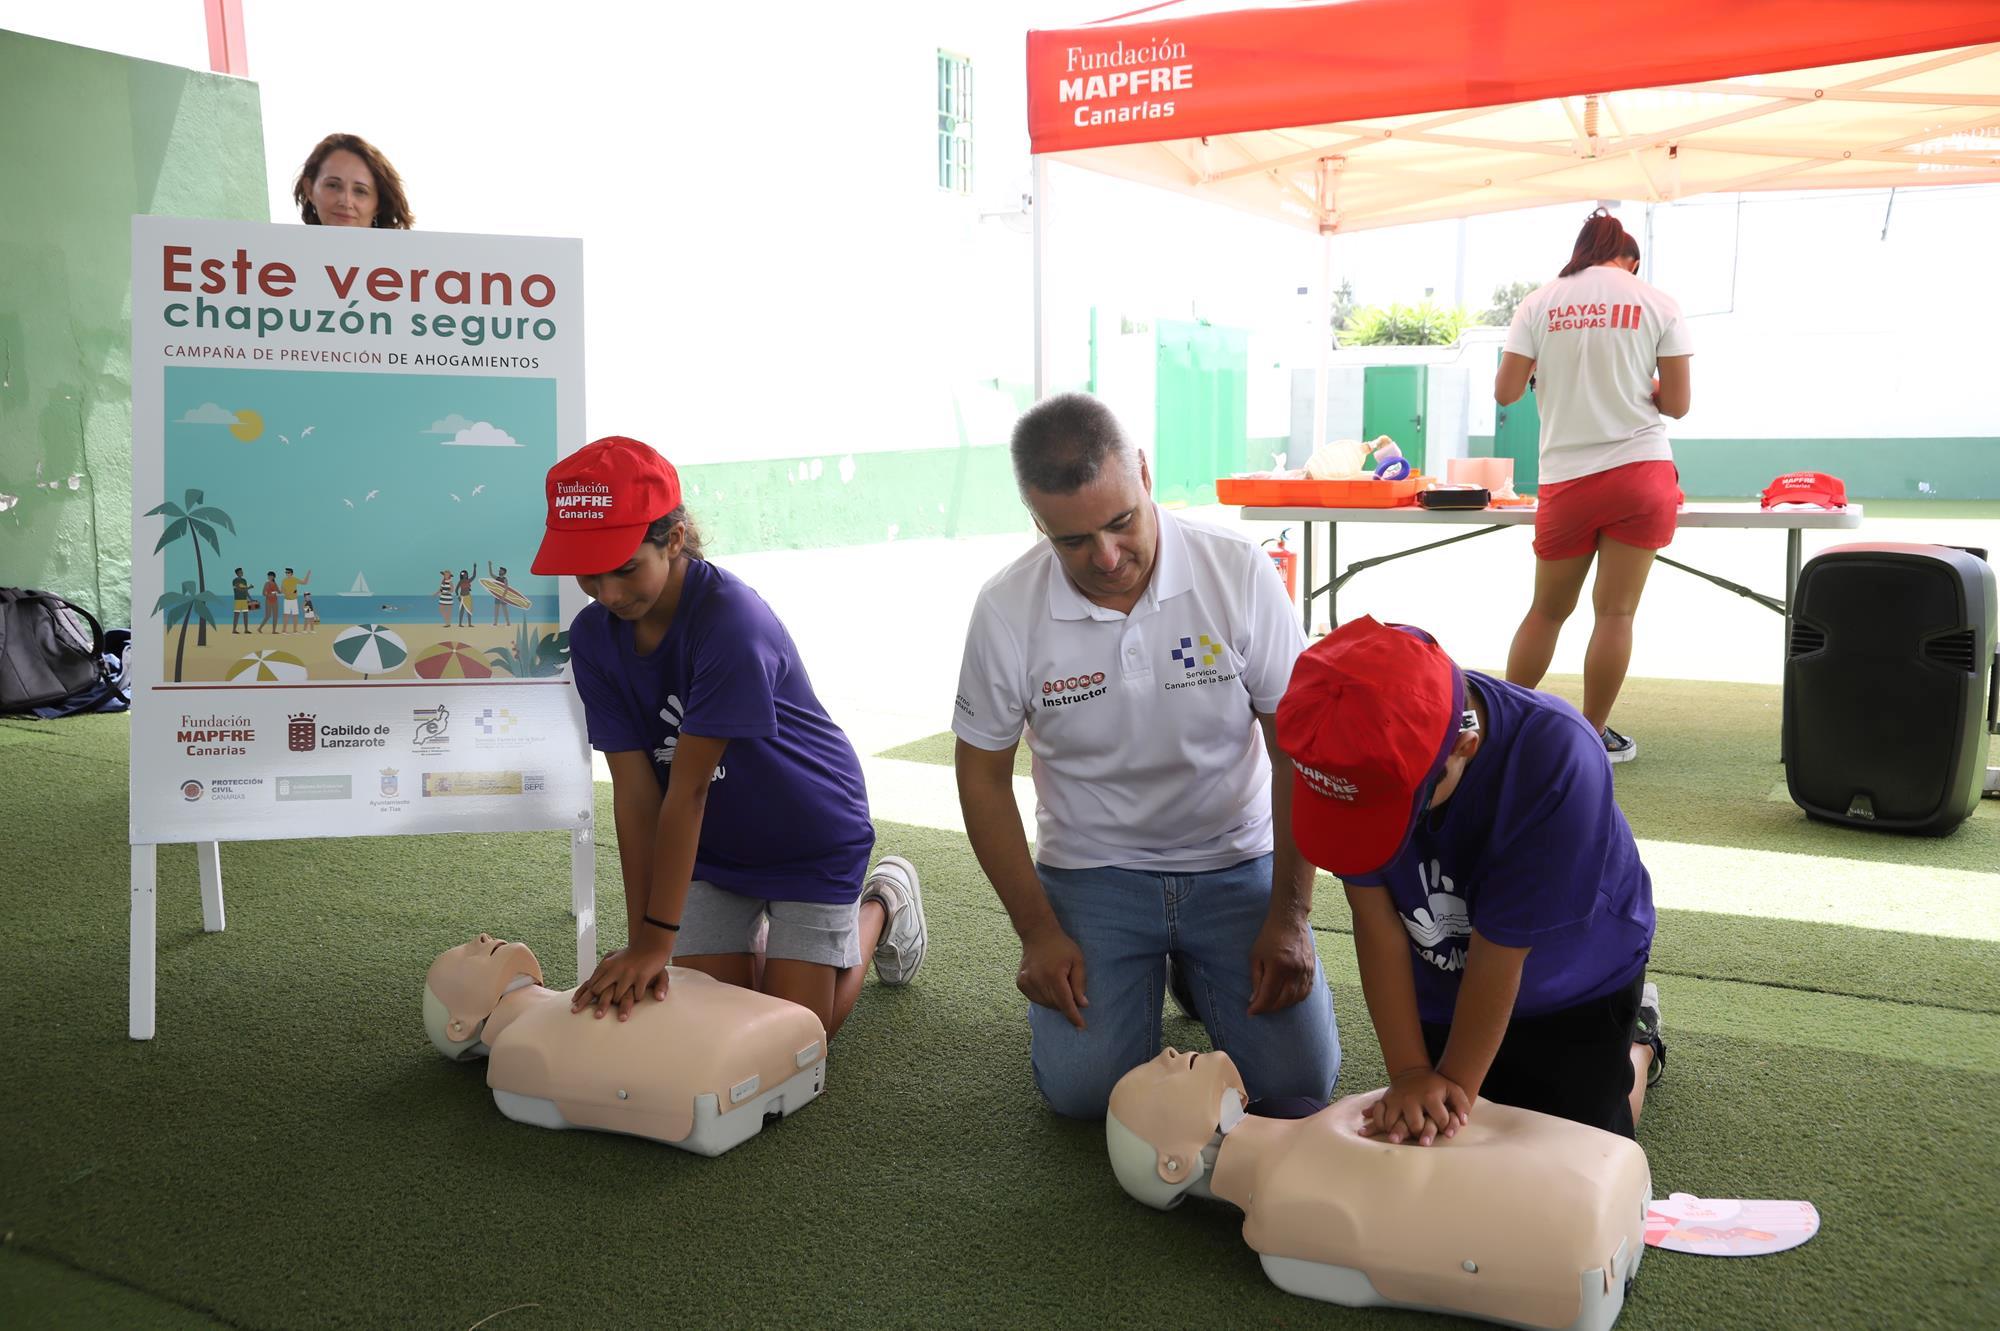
x=1806 y=487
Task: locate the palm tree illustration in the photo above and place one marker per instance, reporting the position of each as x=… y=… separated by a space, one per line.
x=188 y=603
x=190 y=520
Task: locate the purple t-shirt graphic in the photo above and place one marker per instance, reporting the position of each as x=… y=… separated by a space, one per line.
x=787 y=812
x=1532 y=851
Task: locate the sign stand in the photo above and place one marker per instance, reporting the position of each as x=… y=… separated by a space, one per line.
x=145 y=916
x=302 y=397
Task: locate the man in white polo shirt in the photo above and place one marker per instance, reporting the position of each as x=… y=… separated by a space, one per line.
x=1144 y=655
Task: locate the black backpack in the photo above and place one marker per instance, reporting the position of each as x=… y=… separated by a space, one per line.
x=49 y=649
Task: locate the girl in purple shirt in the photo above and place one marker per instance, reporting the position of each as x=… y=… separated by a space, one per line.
x=743 y=827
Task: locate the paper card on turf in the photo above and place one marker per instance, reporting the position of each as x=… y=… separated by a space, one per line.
x=1728 y=1227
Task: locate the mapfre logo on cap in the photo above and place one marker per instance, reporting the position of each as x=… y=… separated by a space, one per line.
x=582 y=501
x=1330 y=787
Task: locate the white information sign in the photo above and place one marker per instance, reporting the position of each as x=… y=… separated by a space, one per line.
x=339 y=439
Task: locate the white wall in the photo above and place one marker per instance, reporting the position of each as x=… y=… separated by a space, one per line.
x=1808 y=322
x=773 y=271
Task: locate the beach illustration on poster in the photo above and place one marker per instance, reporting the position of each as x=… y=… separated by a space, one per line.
x=383 y=525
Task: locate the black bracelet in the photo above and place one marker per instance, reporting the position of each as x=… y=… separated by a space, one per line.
x=662 y=924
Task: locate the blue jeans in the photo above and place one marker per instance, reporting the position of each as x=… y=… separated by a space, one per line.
x=1128 y=922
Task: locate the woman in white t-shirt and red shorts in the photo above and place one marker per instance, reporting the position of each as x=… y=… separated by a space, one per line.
x=1609 y=357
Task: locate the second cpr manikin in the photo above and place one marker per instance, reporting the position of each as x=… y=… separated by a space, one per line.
x=701 y=1069
x=1521 y=1218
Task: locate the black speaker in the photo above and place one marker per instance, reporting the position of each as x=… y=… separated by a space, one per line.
x=1887 y=697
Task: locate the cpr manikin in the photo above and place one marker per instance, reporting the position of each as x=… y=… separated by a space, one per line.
x=700 y=1069
x=1521 y=1218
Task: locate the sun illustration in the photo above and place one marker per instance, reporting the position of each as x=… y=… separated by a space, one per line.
x=249 y=426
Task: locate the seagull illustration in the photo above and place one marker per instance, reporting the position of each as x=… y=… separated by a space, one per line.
x=370 y=495
x=456 y=500
x=348 y=502
x=283 y=440
x=477 y=488
x=308 y=430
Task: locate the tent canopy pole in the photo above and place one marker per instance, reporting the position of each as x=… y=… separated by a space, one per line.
x=1039 y=207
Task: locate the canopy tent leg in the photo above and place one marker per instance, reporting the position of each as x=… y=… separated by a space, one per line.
x=1039 y=207
x=208 y=854
x=1325 y=325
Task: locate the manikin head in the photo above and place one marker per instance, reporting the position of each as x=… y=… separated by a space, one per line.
x=1162 y=1114
x=465 y=985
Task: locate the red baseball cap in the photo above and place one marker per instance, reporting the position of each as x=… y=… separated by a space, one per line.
x=1368 y=720
x=1806 y=487
x=601 y=500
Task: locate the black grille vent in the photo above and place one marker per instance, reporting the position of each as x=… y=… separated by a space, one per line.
x=1807 y=639
x=1953 y=651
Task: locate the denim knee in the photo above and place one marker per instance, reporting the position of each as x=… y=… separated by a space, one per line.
x=1078 y=1091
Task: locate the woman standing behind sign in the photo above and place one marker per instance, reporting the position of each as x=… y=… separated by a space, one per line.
x=346 y=181
x=1593 y=339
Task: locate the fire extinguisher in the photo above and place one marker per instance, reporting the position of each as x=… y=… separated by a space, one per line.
x=1287 y=563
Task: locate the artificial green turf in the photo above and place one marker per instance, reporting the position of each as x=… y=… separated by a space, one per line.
x=290 y=1152
x=1708 y=759
x=50 y=1295
x=938 y=749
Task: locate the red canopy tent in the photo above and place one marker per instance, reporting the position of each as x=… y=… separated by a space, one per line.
x=1368 y=113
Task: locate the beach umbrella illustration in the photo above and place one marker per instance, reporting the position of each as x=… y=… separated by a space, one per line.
x=370 y=649
x=451 y=660
x=268 y=668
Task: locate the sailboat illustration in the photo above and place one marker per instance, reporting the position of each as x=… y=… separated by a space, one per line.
x=360 y=587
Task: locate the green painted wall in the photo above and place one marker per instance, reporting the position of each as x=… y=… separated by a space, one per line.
x=1960 y=469
x=86 y=140
x=779 y=504
x=1200 y=408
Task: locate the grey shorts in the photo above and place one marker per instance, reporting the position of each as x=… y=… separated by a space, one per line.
x=718 y=921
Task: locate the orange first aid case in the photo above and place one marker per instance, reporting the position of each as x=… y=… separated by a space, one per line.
x=1266 y=493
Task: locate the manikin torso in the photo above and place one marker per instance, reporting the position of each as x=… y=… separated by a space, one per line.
x=1499 y=1221
x=1521 y=1218
x=700 y=1069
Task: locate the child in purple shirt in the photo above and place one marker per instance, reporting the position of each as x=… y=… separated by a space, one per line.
x=739 y=804
x=1502 y=917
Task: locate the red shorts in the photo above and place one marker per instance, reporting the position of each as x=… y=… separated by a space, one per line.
x=1635 y=504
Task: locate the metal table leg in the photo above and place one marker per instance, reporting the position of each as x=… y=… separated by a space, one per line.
x=1306 y=587
x=1332 y=577
x=1793 y=543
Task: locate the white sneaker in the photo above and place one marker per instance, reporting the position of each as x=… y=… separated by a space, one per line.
x=1619 y=748
x=905 y=933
